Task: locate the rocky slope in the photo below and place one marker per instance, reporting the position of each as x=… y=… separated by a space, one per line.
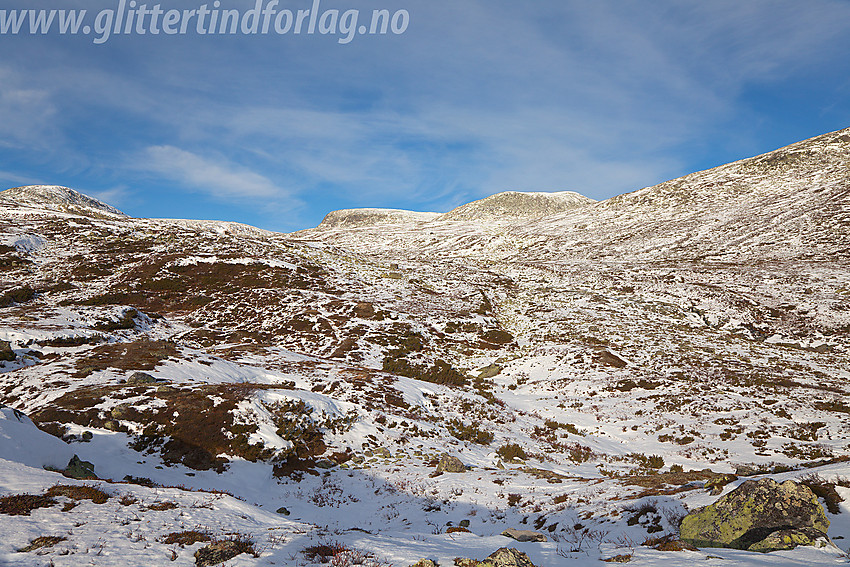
x=595 y=371
x=55 y=197
x=520 y=205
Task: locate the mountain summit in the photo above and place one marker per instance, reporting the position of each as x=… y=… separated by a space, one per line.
x=517 y=204
x=55 y=197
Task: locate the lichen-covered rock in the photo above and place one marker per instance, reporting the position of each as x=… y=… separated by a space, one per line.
x=524 y=535
x=450 y=464
x=425 y=563
x=79 y=469
x=502 y=557
x=751 y=513
x=142 y=378
x=789 y=539
x=121 y=411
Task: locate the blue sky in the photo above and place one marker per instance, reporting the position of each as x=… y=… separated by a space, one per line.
x=475 y=97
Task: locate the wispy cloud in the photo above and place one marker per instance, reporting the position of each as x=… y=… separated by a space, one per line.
x=214 y=176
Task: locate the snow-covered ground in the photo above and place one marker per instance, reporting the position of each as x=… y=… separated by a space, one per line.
x=298 y=390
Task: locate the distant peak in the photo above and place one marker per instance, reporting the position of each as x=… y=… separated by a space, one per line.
x=55 y=196
x=350 y=218
x=518 y=204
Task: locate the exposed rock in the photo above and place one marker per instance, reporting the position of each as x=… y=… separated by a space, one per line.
x=221 y=551
x=6 y=352
x=789 y=539
x=451 y=464
x=425 y=563
x=120 y=411
x=498 y=337
x=54 y=196
x=609 y=359
x=282 y=510
x=524 y=535
x=142 y=378
x=502 y=557
x=79 y=469
x=715 y=485
x=748 y=515
x=489 y=371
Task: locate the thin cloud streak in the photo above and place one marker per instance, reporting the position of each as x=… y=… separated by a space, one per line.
x=213 y=176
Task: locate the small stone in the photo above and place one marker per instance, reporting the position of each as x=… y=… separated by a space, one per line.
x=425 y=563
x=524 y=535
x=464 y=523
x=283 y=511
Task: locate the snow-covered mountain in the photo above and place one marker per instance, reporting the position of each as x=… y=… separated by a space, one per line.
x=591 y=369
x=55 y=197
x=516 y=204
x=347 y=218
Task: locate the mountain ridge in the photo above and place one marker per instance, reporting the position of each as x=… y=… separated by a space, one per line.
x=56 y=196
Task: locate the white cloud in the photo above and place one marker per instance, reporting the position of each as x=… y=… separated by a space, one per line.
x=214 y=176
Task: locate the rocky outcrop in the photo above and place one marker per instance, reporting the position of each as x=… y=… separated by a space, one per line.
x=759 y=516
x=55 y=196
x=502 y=557
x=524 y=535
x=79 y=469
x=6 y=352
x=141 y=378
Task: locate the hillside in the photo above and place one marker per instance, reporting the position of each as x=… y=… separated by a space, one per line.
x=54 y=197
x=520 y=205
x=592 y=369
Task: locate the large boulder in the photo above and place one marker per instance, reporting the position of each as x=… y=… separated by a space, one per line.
x=761 y=515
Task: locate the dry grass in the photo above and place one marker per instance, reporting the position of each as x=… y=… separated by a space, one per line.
x=668 y=543
x=162 y=506
x=40 y=542
x=185 y=538
x=825 y=490
x=23 y=504
x=76 y=492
